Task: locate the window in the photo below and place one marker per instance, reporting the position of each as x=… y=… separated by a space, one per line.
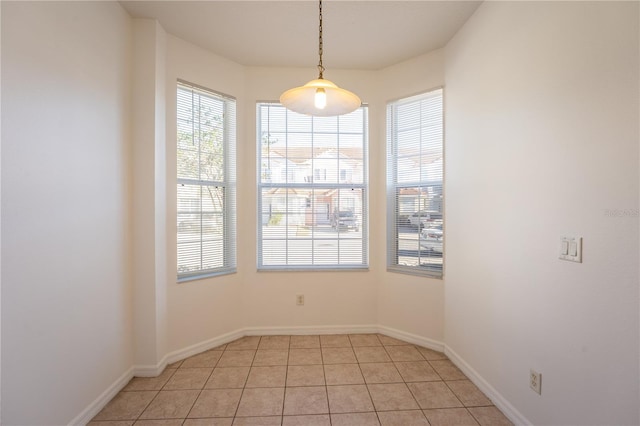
x=311 y=217
x=206 y=183
x=414 y=182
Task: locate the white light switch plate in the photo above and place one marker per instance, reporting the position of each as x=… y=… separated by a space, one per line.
x=571 y=249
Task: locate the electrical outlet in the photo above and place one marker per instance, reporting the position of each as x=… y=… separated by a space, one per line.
x=300 y=299
x=535 y=381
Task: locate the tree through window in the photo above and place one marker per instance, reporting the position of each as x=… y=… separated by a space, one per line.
x=206 y=182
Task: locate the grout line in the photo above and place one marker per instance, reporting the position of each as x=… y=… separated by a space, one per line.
x=203 y=386
x=434 y=369
x=147 y=406
x=245 y=382
x=413 y=396
x=326 y=390
x=375 y=410
x=286 y=377
x=260 y=340
x=472 y=416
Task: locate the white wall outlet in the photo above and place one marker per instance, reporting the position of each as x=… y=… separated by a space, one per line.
x=571 y=249
x=535 y=381
x=300 y=299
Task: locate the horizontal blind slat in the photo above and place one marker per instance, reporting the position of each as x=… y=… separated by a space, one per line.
x=311 y=170
x=206 y=180
x=415 y=181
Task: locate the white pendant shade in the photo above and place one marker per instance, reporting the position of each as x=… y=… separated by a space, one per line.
x=303 y=99
x=320 y=97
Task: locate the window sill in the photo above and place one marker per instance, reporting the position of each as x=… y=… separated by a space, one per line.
x=415 y=272
x=313 y=269
x=205 y=275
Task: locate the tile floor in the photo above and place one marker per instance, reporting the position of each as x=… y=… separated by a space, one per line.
x=351 y=380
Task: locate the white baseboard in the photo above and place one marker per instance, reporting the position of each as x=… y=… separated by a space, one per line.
x=180 y=354
x=412 y=338
x=498 y=400
x=94 y=408
x=154 y=370
x=301 y=330
x=150 y=370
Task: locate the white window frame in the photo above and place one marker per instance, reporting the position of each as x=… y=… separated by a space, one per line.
x=397 y=246
x=311 y=182
x=227 y=185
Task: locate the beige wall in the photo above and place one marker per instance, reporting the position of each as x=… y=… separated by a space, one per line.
x=200 y=310
x=542 y=139
x=66 y=288
x=410 y=304
x=268 y=299
x=265 y=301
x=149 y=193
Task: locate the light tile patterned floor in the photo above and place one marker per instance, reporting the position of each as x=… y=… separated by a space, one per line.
x=351 y=380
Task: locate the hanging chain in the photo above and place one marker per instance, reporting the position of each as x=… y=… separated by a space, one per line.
x=320 y=66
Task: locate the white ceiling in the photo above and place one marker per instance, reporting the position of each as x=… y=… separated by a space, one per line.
x=361 y=34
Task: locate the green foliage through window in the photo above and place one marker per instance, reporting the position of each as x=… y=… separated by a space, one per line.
x=206 y=182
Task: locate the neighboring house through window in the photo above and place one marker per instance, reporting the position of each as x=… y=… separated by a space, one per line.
x=206 y=220
x=312 y=189
x=415 y=181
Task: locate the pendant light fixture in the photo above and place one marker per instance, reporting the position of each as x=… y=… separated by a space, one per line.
x=320 y=97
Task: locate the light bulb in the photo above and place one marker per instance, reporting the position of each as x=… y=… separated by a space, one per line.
x=320 y=98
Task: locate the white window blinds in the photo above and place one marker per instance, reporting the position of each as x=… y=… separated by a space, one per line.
x=312 y=189
x=206 y=183
x=415 y=227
